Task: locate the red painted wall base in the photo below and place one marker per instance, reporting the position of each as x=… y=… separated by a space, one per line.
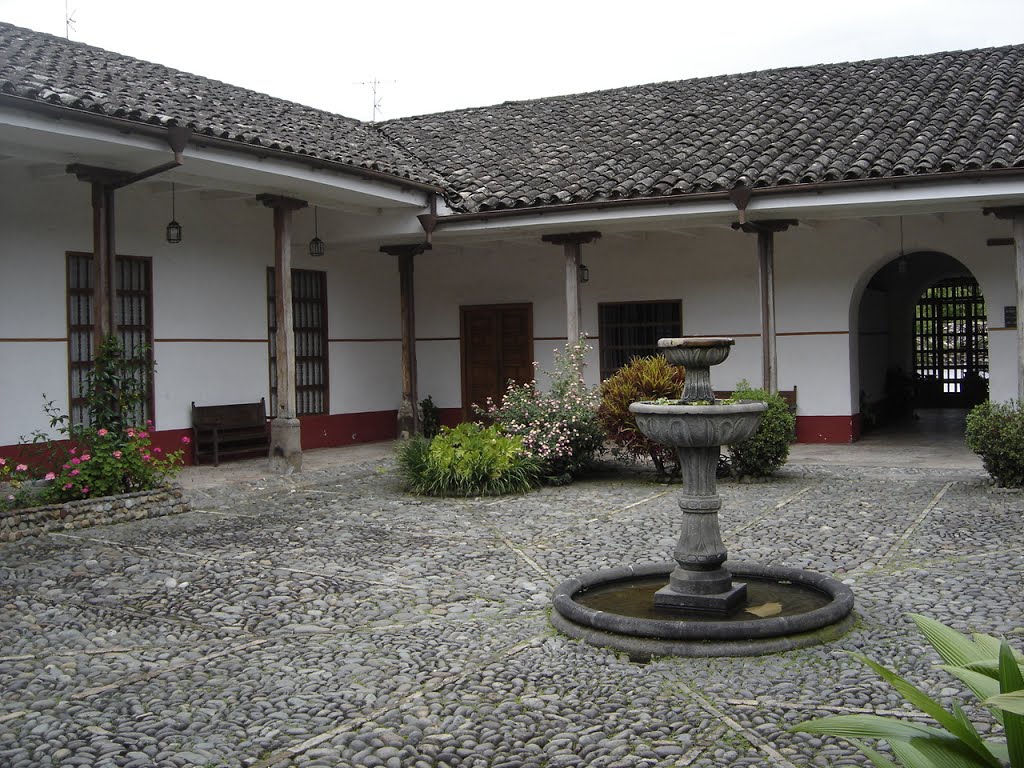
x=348 y=428
x=372 y=426
x=828 y=429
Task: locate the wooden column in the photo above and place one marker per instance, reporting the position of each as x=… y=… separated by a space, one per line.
x=285 y=430
x=1015 y=214
x=103 y=183
x=103 y=261
x=765 y=231
x=572 y=243
x=408 y=412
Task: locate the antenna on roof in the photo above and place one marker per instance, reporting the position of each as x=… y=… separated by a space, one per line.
x=374 y=86
x=69 y=20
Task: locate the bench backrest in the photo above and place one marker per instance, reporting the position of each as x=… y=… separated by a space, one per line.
x=233 y=415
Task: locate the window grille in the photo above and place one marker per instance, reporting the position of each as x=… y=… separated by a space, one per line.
x=309 y=320
x=951 y=336
x=630 y=329
x=133 y=311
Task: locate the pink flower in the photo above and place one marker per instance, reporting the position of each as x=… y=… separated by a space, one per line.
x=76 y=460
x=146 y=457
x=49 y=476
x=149 y=422
x=143 y=435
x=86 y=457
x=21 y=468
x=117 y=454
x=73 y=451
x=3 y=462
x=101 y=432
x=85 y=490
x=68 y=486
x=75 y=472
x=131 y=433
x=185 y=439
x=157 y=450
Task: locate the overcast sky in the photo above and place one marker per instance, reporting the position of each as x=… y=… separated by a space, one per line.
x=436 y=56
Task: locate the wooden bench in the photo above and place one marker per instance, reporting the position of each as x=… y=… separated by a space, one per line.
x=229 y=430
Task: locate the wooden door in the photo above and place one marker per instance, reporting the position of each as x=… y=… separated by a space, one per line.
x=497 y=346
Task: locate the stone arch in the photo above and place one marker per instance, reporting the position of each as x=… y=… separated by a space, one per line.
x=881 y=325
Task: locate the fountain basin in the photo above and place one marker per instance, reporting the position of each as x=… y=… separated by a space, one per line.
x=826 y=614
x=698 y=426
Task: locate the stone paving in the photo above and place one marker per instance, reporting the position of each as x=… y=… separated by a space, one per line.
x=331 y=620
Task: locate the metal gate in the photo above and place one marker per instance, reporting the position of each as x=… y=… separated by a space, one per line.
x=951 y=345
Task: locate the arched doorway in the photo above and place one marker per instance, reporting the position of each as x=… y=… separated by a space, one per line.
x=950 y=345
x=922 y=343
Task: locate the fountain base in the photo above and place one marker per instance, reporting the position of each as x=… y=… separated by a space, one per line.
x=786 y=608
x=721 y=603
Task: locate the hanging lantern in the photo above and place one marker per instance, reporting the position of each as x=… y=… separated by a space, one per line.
x=173 y=228
x=316 y=245
x=584 y=274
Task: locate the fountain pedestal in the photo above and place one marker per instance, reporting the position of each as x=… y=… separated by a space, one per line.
x=696 y=427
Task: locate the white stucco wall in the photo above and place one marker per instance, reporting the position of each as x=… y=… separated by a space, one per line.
x=209 y=301
x=210 y=321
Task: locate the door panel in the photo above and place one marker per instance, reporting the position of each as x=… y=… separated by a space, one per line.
x=497 y=345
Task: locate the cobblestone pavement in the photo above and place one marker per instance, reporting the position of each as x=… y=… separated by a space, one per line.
x=333 y=621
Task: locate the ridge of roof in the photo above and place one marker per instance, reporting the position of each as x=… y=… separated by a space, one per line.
x=724 y=76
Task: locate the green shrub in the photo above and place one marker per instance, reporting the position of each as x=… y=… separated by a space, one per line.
x=430 y=417
x=995 y=431
x=559 y=428
x=767 y=449
x=643 y=378
x=469 y=460
x=986 y=665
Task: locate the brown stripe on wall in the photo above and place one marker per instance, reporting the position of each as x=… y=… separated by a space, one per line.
x=209 y=341
x=6 y=340
x=362 y=341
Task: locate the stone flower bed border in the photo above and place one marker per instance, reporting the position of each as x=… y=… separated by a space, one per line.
x=35 y=521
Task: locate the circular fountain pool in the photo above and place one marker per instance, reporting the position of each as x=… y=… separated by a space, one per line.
x=785 y=608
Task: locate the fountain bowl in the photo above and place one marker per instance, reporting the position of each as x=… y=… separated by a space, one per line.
x=695 y=351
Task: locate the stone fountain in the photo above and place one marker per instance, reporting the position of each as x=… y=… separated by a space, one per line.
x=692 y=606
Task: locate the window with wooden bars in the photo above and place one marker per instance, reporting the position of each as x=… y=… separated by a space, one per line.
x=134 y=315
x=309 y=319
x=632 y=329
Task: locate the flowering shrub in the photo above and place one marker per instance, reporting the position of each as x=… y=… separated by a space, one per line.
x=107 y=456
x=559 y=428
x=105 y=462
x=12 y=480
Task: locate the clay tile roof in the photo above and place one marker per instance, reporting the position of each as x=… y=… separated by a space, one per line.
x=76 y=76
x=901 y=117
x=909 y=116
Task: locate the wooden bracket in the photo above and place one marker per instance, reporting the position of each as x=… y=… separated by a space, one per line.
x=574 y=238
